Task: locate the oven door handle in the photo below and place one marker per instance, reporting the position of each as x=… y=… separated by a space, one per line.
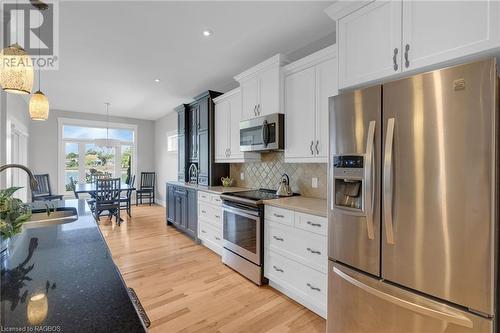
x=241 y=212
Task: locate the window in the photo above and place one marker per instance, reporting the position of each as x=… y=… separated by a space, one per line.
x=172 y=143
x=82 y=159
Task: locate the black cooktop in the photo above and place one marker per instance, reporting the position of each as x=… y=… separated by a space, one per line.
x=260 y=194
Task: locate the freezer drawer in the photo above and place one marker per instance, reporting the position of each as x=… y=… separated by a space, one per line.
x=358 y=303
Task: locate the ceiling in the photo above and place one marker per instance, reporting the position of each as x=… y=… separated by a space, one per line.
x=113 y=51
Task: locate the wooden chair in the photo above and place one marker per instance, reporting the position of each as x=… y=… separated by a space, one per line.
x=147 y=189
x=107 y=198
x=43 y=191
x=125 y=199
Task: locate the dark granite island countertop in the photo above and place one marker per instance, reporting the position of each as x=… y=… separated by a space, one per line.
x=62 y=278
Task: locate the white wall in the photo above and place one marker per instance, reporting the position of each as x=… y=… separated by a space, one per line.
x=13 y=108
x=165 y=162
x=44 y=144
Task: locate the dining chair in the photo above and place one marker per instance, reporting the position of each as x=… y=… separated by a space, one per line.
x=125 y=199
x=107 y=198
x=43 y=191
x=101 y=175
x=147 y=188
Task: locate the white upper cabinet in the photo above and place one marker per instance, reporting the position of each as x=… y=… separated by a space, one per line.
x=222 y=129
x=326 y=86
x=261 y=88
x=369 y=43
x=437 y=31
x=309 y=82
x=380 y=40
x=228 y=113
x=250 y=99
x=299 y=110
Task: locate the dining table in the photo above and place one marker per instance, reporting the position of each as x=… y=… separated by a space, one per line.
x=90 y=188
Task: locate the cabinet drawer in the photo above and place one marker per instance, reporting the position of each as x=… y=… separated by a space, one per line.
x=203 y=196
x=312 y=223
x=314 y=285
x=210 y=213
x=279 y=215
x=215 y=199
x=208 y=233
x=307 y=248
x=204 y=211
x=281 y=269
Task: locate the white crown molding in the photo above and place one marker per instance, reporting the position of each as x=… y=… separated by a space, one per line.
x=227 y=95
x=276 y=60
x=342 y=8
x=315 y=58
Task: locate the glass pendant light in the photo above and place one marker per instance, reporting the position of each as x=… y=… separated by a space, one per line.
x=39 y=103
x=107 y=143
x=16 y=68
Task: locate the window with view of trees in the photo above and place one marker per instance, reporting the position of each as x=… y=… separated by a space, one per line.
x=84 y=160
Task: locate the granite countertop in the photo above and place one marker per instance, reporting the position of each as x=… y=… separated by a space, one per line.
x=211 y=189
x=62 y=278
x=302 y=204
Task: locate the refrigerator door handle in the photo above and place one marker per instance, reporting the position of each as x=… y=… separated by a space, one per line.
x=387 y=187
x=454 y=318
x=369 y=176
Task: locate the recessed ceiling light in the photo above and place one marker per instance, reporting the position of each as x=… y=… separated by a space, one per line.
x=157 y=80
x=207 y=33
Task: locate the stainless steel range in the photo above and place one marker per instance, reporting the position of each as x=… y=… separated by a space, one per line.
x=243 y=230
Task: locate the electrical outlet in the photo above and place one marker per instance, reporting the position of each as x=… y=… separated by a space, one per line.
x=314 y=183
x=242 y=176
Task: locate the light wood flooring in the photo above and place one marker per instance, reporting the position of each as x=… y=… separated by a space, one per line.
x=184 y=287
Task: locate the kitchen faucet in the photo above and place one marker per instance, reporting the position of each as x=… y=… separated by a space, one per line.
x=33 y=181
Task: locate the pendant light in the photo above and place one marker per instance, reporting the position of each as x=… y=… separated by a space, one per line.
x=39 y=103
x=107 y=143
x=16 y=72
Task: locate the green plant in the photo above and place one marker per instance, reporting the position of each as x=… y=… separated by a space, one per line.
x=13 y=213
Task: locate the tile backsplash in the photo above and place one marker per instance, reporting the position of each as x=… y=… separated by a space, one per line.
x=267 y=174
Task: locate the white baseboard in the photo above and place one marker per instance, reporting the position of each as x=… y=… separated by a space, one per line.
x=160 y=202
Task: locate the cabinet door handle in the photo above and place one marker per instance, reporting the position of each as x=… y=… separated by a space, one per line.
x=311 y=147
x=313 y=288
x=217 y=216
x=313 y=224
x=278 y=269
x=278 y=238
x=204 y=212
x=278 y=215
x=313 y=251
x=258 y=109
x=407 y=50
x=317 y=150
x=203 y=231
x=255 y=110
x=217 y=238
x=394 y=59
x=228 y=152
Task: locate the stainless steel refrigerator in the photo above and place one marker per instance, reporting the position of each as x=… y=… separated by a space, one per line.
x=413 y=195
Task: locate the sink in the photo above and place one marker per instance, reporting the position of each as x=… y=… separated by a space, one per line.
x=59 y=215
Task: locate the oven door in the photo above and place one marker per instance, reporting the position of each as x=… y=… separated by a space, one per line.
x=242 y=229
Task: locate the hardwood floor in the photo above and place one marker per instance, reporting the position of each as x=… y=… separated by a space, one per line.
x=184 y=287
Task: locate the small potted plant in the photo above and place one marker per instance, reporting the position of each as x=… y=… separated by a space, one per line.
x=13 y=213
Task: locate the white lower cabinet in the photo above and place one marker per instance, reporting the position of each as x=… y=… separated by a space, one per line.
x=210 y=221
x=295 y=259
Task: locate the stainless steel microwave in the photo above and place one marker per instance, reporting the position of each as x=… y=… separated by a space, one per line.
x=263 y=133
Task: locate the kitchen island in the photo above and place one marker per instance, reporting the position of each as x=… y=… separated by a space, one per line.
x=62 y=278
